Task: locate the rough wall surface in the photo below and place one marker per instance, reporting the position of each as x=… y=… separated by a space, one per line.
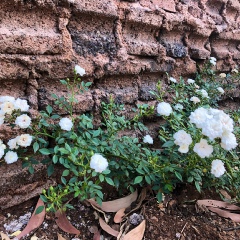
x=125 y=47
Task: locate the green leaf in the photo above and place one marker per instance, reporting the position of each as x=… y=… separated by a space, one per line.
x=43 y=198
x=139 y=170
x=148 y=179
x=55 y=159
x=109 y=181
x=64 y=82
x=138 y=179
x=168 y=144
x=99 y=200
x=178 y=175
x=87 y=84
x=159 y=196
x=64 y=181
x=25 y=164
x=35 y=146
x=73 y=180
x=100 y=194
x=44 y=151
x=55 y=116
x=197 y=186
x=49 y=109
x=190 y=179
x=65 y=173
x=96 y=133
x=50 y=170
x=101 y=178
x=67 y=147
x=63 y=150
x=61 y=141
x=39 y=210
x=42 y=140
x=31 y=169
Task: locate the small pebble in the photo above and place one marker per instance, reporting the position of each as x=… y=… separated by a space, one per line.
x=178 y=235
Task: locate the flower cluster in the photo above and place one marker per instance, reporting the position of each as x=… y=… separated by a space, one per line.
x=215 y=124
x=8 y=106
x=183 y=140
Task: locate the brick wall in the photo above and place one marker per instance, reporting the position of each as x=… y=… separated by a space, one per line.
x=125 y=47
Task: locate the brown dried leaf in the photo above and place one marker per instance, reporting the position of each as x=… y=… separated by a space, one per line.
x=233 y=216
x=34 y=222
x=217 y=204
x=64 y=224
x=107 y=228
x=115 y=205
x=137 y=233
x=119 y=215
x=225 y=194
x=4 y=236
x=60 y=237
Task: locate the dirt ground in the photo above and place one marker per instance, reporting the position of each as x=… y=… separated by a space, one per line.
x=178 y=219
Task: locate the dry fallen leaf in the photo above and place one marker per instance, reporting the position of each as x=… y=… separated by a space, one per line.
x=64 y=224
x=217 y=204
x=34 y=222
x=233 y=216
x=137 y=233
x=60 y=237
x=119 y=215
x=223 y=209
x=107 y=228
x=4 y=236
x=115 y=205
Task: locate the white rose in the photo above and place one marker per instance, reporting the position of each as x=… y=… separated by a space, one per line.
x=218 y=168
x=1 y=120
x=190 y=81
x=222 y=75
x=203 y=93
x=66 y=124
x=203 y=149
x=98 y=163
x=7 y=107
x=212 y=129
x=1 y=152
x=234 y=71
x=12 y=143
x=220 y=90
x=182 y=138
x=21 y=104
x=178 y=106
x=195 y=99
x=80 y=70
x=184 y=148
x=6 y=99
x=228 y=141
x=23 y=121
x=11 y=157
x=213 y=60
x=164 y=109
x=24 y=140
x=148 y=139
x=199 y=116
x=172 y=79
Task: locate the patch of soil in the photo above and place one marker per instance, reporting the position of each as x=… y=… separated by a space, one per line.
x=178 y=219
